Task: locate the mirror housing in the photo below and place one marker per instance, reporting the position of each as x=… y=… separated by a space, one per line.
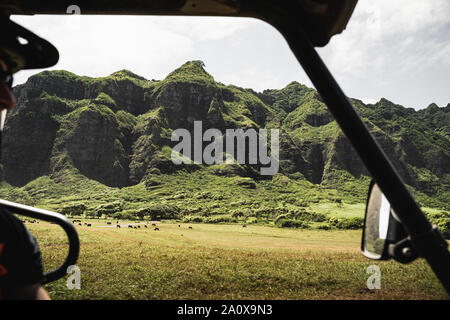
x=383 y=234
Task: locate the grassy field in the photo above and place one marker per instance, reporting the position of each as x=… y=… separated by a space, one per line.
x=226 y=262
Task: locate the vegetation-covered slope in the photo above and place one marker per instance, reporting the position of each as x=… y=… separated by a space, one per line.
x=89 y=142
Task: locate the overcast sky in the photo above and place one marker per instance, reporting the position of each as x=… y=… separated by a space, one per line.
x=398 y=49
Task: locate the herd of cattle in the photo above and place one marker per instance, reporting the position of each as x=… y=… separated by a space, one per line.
x=30 y=221
x=80 y=223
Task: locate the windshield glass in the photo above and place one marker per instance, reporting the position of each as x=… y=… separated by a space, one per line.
x=198 y=152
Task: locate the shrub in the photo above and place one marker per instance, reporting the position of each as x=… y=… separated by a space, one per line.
x=91 y=214
x=252 y=221
x=125 y=215
x=203 y=195
x=74 y=209
x=442 y=220
x=151 y=181
x=295 y=201
x=245 y=182
x=311 y=216
x=289 y=223
x=109 y=208
x=221 y=219
x=179 y=196
x=158 y=211
x=444 y=226
x=281 y=216
x=227 y=170
x=195 y=219
x=350 y=223
x=302 y=215
x=324 y=226
x=237 y=213
x=333 y=221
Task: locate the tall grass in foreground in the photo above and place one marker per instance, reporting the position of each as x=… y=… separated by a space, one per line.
x=227 y=262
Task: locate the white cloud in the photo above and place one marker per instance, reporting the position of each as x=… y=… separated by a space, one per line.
x=385 y=32
x=389 y=42
x=207 y=28
x=101 y=45
x=395 y=49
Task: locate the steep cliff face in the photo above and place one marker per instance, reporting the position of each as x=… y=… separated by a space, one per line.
x=117 y=129
x=413 y=140
x=95 y=148
x=128 y=90
x=28 y=139
x=186 y=95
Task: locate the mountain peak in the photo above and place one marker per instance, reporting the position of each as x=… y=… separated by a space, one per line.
x=384 y=101
x=295 y=84
x=432 y=108
x=126 y=73
x=191 y=70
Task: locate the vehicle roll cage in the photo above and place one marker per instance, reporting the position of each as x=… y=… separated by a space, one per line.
x=428 y=243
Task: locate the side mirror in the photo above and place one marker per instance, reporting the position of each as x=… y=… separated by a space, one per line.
x=383 y=235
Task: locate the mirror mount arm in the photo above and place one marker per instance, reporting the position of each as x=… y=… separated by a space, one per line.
x=409 y=249
x=403 y=251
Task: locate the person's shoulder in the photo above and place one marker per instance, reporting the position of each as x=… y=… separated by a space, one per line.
x=7 y=217
x=20 y=255
x=9 y=223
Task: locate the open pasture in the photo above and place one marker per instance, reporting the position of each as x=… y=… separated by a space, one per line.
x=226 y=262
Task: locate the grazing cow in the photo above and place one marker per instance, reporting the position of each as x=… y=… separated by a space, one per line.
x=88 y=224
x=190 y=227
x=156 y=229
x=153 y=224
x=80 y=224
x=179 y=226
x=145 y=226
x=108 y=222
x=130 y=226
x=118 y=226
x=244 y=226
x=139 y=227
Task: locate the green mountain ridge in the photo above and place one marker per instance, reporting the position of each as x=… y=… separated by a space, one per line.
x=115 y=132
